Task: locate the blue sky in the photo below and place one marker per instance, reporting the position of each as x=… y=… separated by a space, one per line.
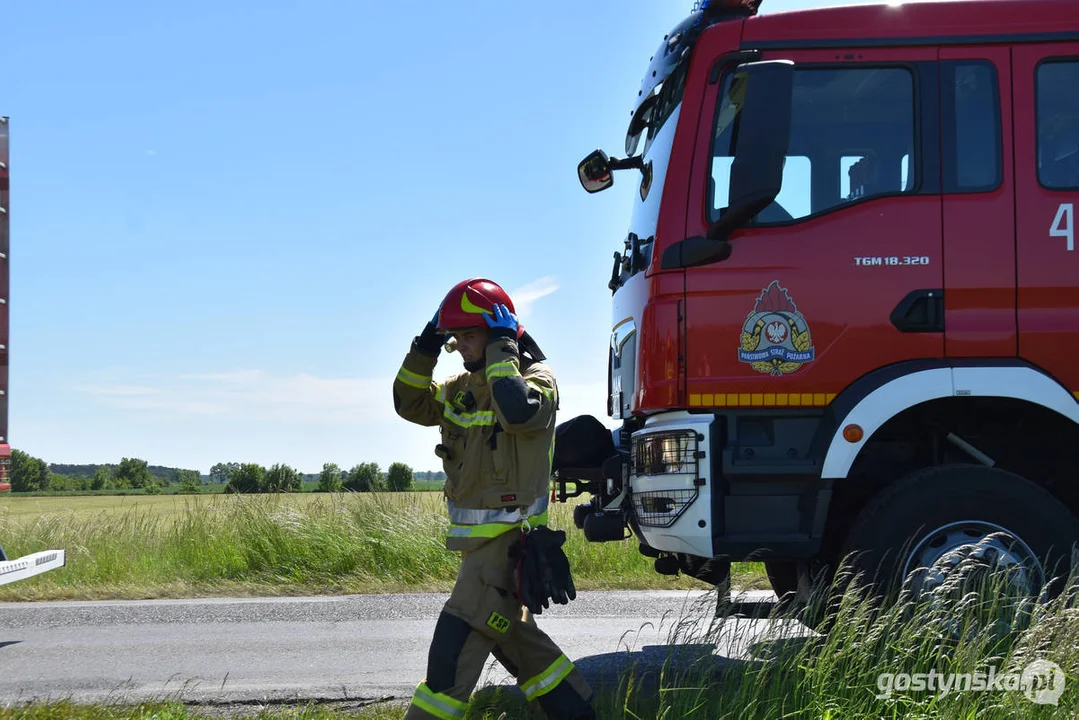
x=229 y=219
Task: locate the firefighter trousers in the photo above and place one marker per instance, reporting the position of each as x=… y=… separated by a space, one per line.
x=483 y=616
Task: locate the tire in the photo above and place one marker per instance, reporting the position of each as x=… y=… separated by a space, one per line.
x=952 y=505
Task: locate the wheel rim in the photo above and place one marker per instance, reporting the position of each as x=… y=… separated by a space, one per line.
x=988 y=546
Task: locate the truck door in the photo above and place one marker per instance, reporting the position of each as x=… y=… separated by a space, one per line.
x=979 y=201
x=842 y=274
x=1045 y=79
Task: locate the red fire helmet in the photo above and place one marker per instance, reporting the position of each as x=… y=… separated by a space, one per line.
x=467 y=301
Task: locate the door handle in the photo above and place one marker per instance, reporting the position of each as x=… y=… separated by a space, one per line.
x=921 y=311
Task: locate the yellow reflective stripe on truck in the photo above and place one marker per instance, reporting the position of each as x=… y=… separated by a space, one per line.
x=760 y=399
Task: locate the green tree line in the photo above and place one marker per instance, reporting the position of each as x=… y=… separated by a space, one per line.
x=32 y=474
x=350 y=480
x=363 y=477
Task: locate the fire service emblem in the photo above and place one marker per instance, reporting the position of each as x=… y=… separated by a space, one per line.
x=775 y=336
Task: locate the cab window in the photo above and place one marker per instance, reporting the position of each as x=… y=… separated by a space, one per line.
x=971 y=145
x=1057 y=101
x=852 y=137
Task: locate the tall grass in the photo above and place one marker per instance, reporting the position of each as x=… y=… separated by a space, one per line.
x=933 y=658
x=277 y=544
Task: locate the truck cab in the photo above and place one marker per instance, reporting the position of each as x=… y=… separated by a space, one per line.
x=845 y=310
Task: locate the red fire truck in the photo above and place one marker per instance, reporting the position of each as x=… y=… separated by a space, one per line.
x=846 y=312
x=39 y=562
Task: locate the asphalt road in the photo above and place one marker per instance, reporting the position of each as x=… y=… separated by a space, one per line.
x=356 y=647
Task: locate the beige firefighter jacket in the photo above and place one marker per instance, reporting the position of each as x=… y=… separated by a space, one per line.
x=497 y=445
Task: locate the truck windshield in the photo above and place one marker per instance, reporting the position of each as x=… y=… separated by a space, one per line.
x=852 y=136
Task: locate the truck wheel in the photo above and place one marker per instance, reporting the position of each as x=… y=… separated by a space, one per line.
x=936 y=516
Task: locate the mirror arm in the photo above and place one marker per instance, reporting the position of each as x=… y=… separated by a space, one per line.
x=627 y=163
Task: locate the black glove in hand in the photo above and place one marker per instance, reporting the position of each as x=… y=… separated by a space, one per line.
x=430 y=341
x=562 y=589
x=532 y=581
x=557 y=566
x=543 y=570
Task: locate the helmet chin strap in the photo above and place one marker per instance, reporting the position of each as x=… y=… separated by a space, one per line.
x=475 y=365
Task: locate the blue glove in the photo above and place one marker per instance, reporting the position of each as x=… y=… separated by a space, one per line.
x=503 y=323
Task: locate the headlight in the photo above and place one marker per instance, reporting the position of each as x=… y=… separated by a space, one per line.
x=666 y=453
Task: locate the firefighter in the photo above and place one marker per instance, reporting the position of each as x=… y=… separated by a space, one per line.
x=497 y=422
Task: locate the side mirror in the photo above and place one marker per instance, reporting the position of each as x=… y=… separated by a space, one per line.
x=595 y=172
x=761 y=138
x=761 y=94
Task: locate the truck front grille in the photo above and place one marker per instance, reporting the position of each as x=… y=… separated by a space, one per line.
x=662 y=508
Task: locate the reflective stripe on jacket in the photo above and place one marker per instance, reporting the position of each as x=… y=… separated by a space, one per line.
x=475 y=523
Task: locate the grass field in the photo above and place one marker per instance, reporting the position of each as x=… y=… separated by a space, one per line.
x=154 y=546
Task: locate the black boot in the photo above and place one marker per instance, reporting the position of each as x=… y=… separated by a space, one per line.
x=563 y=703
